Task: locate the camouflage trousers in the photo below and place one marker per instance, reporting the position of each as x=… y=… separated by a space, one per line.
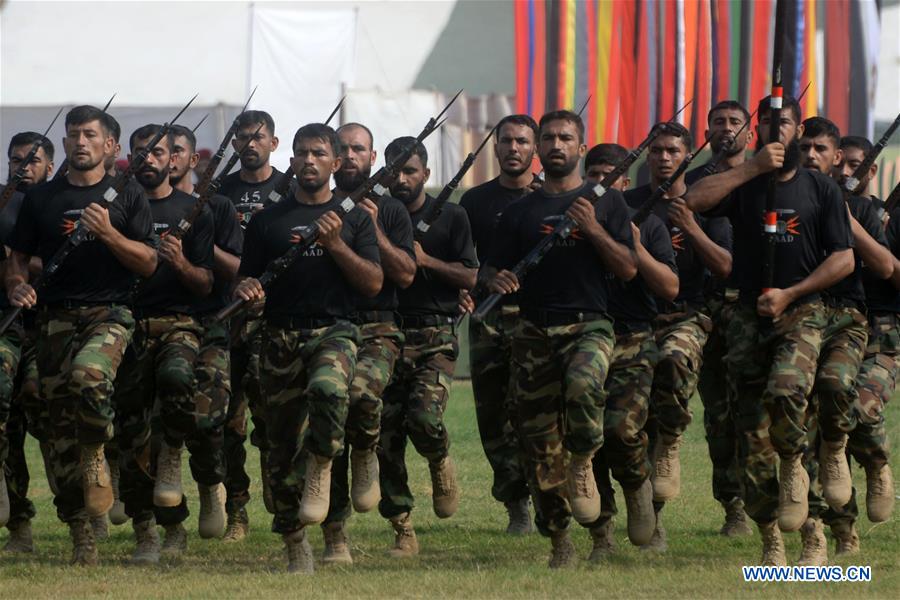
x=559 y=387
x=717 y=395
x=772 y=364
x=680 y=338
x=375 y=361
x=414 y=405
x=246 y=395
x=158 y=368
x=306 y=375
x=79 y=351
x=490 y=360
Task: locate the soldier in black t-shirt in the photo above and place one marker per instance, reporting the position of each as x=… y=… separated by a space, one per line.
x=633 y=306
x=159 y=365
x=309 y=353
x=380 y=348
x=490 y=341
x=702 y=247
x=415 y=401
x=564 y=343
x=85 y=323
x=775 y=335
x=248 y=189
x=21 y=410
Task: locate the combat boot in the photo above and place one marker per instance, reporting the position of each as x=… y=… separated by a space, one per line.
x=444 y=487
x=20 y=539
x=84 y=549
x=212 y=510
x=100 y=525
x=95 y=481
x=316 y=490
x=658 y=542
x=519 y=517
x=176 y=540
x=834 y=473
x=879 y=494
x=299 y=552
x=845 y=536
x=365 y=492
x=238 y=526
x=146 y=549
x=337 y=551
x=735 y=519
x=814 y=549
x=667 y=469
x=405 y=543
x=773 y=545
x=641 y=518
x=268 y=499
x=584 y=498
x=117 y=514
x=4 y=498
x=793 y=504
x=563 y=554
x=167 y=492
x=604 y=541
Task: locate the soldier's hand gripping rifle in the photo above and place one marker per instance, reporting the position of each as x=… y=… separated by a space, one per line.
x=64 y=166
x=853 y=184
x=82 y=233
x=283 y=185
x=565 y=226
x=377 y=184
x=19 y=175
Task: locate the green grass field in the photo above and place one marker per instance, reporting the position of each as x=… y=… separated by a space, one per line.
x=465 y=556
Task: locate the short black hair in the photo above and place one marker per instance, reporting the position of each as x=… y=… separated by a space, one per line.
x=565 y=115
x=728 y=105
x=318 y=131
x=360 y=126
x=677 y=130
x=525 y=120
x=115 y=130
x=856 y=141
x=148 y=131
x=787 y=103
x=28 y=138
x=85 y=114
x=181 y=130
x=398 y=146
x=813 y=127
x=255 y=117
x=605 y=154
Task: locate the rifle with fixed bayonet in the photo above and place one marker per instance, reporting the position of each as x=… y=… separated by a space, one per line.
x=853 y=184
x=19 y=175
x=64 y=166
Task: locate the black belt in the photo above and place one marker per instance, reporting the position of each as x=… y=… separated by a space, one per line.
x=155 y=313
x=417 y=322
x=629 y=327
x=286 y=322
x=372 y=316
x=555 y=318
x=76 y=304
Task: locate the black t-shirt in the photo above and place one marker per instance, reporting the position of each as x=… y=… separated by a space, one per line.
x=248 y=198
x=393 y=218
x=228 y=236
x=692 y=273
x=571 y=277
x=448 y=239
x=812 y=223
x=313 y=286
x=484 y=204
x=851 y=287
x=881 y=295
x=91 y=274
x=631 y=303
x=9 y=215
x=164 y=291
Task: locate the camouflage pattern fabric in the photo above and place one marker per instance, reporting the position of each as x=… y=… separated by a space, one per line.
x=306 y=377
x=10 y=354
x=490 y=360
x=414 y=405
x=79 y=351
x=772 y=364
x=159 y=367
x=375 y=361
x=213 y=372
x=560 y=374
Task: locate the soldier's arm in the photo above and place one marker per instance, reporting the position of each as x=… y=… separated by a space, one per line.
x=225 y=264
x=833 y=269
x=877 y=258
x=398 y=266
x=198 y=280
x=455 y=274
x=364 y=275
x=660 y=278
x=618 y=258
x=706 y=194
x=135 y=256
x=18 y=290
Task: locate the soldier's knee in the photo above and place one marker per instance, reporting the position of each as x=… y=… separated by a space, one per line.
x=176 y=383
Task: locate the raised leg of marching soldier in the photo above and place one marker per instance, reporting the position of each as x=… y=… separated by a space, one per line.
x=490 y=356
x=717 y=394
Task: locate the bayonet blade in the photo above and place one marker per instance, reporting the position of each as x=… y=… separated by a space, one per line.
x=449 y=104
x=584 y=106
x=108 y=103
x=247 y=103
x=197 y=126
x=335 y=111
x=181 y=112
x=49 y=127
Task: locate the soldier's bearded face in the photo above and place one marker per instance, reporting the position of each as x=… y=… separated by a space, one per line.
x=314 y=162
x=86 y=145
x=560 y=148
x=357 y=157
